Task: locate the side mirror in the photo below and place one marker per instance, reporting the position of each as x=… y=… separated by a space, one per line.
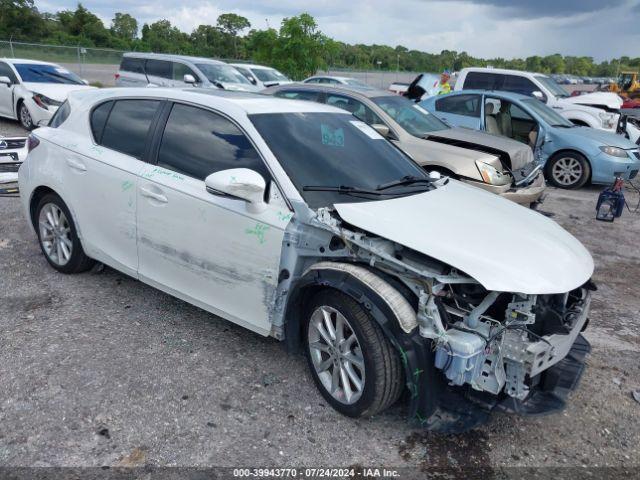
x=539 y=95
x=381 y=129
x=241 y=184
x=6 y=80
x=188 y=78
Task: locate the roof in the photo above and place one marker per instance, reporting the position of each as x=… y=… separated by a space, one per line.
x=368 y=92
x=251 y=65
x=330 y=76
x=501 y=70
x=500 y=93
x=26 y=60
x=169 y=56
x=250 y=103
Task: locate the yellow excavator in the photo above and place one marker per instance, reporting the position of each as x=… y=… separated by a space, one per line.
x=627 y=85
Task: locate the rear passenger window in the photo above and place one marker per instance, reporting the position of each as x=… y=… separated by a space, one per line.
x=467 y=105
x=358 y=109
x=98 y=120
x=61 y=115
x=159 y=68
x=482 y=81
x=298 y=95
x=128 y=125
x=133 y=65
x=197 y=143
x=522 y=85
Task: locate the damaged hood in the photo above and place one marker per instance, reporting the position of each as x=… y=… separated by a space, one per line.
x=55 y=91
x=608 y=99
x=505 y=247
x=519 y=153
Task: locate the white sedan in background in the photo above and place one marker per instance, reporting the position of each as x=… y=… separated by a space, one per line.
x=31 y=91
x=261 y=76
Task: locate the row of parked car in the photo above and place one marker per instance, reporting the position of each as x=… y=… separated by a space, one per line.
x=341 y=219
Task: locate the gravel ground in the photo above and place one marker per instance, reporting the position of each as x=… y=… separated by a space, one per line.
x=100 y=369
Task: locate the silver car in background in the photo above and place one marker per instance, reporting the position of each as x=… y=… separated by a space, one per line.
x=261 y=76
x=164 y=70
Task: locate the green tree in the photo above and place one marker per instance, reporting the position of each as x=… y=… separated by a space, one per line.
x=124 y=26
x=20 y=19
x=231 y=24
x=298 y=51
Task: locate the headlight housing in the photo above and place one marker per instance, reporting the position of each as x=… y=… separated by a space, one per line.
x=492 y=176
x=45 y=102
x=614 y=151
x=608 y=119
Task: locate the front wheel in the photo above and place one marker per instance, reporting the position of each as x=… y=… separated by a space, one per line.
x=352 y=362
x=568 y=170
x=25 y=117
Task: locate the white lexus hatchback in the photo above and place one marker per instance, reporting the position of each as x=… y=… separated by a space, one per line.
x=297 y=220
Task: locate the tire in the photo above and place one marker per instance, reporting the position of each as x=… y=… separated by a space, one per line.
x=381 y=373
x=569 y=170
x=24 y=117
x=58 y=237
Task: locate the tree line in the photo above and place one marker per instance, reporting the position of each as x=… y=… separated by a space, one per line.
x=297 y=48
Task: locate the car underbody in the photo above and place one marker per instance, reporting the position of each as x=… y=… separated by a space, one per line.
x=466 y=351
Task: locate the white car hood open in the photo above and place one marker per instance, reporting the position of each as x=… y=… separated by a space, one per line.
x=504 y=246
x=608 y=99
x=55 y=91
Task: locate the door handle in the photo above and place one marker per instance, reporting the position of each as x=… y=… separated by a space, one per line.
x=76 y=165
x=158 y=197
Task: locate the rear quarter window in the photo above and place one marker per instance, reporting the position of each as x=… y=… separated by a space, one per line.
x=99 y=119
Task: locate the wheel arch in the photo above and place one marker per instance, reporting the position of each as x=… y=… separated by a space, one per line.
x=37 y=194
x=369 y=289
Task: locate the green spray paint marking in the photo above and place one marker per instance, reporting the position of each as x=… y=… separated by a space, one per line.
x=403 y=354
x=126 y=185
x=420 y=418
x=163 y=172
x=284 y=216
x=259 y=231
x=97 y=149
x=417 y=373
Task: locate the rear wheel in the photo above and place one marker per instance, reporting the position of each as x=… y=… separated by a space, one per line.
x=568 y=170
x=352 y=362
x=58 y=236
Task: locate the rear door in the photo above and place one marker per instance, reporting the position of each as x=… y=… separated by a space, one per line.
x=460 y=110
x=205 y=248
x=159 y=72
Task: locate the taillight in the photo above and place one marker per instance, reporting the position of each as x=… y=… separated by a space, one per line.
x=32 y=142
x=117 y=76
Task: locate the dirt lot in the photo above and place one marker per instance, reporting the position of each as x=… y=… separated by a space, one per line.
x=100 y=369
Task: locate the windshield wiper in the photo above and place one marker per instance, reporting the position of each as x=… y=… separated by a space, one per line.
x=404 y=181
x=342 y=189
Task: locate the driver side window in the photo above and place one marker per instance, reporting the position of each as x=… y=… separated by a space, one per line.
x=5 y=71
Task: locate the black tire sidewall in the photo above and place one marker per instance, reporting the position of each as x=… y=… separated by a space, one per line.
x=586 y=170
x=77 y=255
x=340 y=302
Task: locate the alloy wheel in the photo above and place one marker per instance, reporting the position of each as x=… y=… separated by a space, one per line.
x=25 y=117
x=567 y=171
x=336 y=355
x=55 y=234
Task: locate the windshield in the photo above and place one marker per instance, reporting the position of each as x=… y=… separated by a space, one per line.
x=355 y=83
x=547 y=114
x=42 y=73
x=222 y=73
x=552 y=86
x=410 y=116
x=269 y=75
x=334 y=149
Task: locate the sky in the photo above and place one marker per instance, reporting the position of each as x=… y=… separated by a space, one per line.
x=602 y=29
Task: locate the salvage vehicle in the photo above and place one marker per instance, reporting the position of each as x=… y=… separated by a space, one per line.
x=296 y=220
x=571 y=155
x=600 y=110
x=501 y=166
x=261 y=76
x=31 y=91
x=167 y=70
x=333 y=80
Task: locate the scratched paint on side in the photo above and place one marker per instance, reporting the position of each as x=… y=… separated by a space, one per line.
x=259 y=231
x=284 y=216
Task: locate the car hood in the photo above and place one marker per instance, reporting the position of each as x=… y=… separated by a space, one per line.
x=55 y=91
x=608 y=99
x=505 y=247
x=519 y=153
x=604 y=137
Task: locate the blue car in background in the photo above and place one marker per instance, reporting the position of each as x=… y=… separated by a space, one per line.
x=571 y=155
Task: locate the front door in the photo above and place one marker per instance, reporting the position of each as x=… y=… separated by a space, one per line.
x=208 y=249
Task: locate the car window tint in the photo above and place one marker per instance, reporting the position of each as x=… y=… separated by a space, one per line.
x=482 y=81
x=522 y=85
x=467 y=105
x=133 y=65
x=6 y=71
x=159 y=68
x=298 y=95
x=180 y=70
x=198 y=142
x=357 y=108
x=520 y=114
x=98 y=119
x=128 y=126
